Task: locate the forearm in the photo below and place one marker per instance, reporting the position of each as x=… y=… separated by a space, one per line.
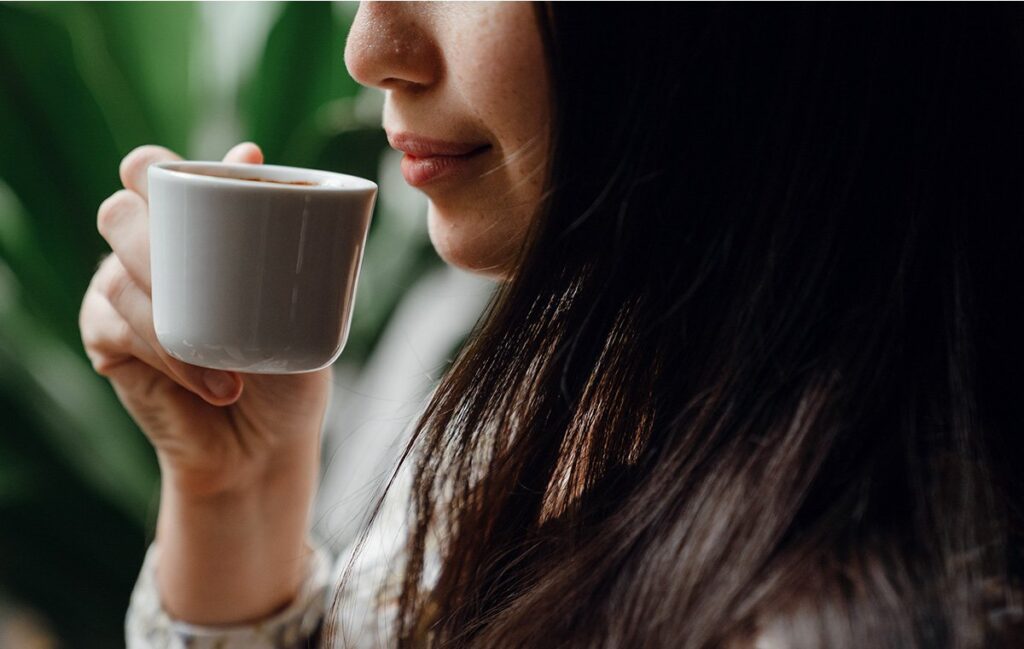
x=235 y=557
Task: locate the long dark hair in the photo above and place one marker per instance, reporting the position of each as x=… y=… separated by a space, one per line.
x=760 y=367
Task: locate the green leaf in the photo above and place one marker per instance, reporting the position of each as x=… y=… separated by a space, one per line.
x=150 y=46
x=75 y=409
x=40 y=280
x=64 y=549
x=301 y=70
x=60 y=156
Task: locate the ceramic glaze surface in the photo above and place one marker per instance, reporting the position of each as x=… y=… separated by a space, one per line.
x=255 y=276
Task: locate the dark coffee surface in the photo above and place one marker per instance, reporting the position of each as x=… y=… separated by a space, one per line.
x=304 y=183
x=300 y=183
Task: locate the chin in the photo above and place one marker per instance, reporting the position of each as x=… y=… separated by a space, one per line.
x=462 y=246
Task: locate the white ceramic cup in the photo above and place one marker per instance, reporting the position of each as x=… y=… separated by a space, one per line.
x=255 y=275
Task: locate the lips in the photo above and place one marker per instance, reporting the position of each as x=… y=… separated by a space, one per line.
x=427 y=160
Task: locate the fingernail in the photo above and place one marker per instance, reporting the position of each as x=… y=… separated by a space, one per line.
x=219 y=384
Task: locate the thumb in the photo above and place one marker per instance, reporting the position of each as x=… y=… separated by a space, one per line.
x=246 y=152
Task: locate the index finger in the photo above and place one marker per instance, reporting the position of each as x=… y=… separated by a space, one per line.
x=135 y=165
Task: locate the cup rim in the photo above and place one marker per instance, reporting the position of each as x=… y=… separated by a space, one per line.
x=327 y=181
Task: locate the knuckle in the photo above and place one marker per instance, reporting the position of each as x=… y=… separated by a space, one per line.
x=102 y=355
x=112 y=348
x=122 y=336
x=105 y=365
x=88 y=340
x=83 y=317
x=104 y=259
x=88 y=322
x=94 y=357
x=112 y=210
x=102 y=365
x=114 y=283
x=131 y=162
x=139 y=158
x=102 y=270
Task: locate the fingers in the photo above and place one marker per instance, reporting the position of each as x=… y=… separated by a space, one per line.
x=135 y=166
x=246 y=153
x=133 y=305
x=123 y=330
x=123 y=220
x=109 y=340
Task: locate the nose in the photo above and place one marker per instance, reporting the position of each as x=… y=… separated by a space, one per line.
x=390 y=46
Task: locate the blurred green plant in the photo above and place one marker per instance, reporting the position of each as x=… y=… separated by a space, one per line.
x=80 y=85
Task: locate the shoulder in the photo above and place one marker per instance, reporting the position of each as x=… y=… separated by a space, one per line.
x=367 y=576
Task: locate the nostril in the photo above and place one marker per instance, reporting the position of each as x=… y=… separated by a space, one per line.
x=391 y=47
x=396 y=83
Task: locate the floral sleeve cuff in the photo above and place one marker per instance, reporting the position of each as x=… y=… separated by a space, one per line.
x=148 y=626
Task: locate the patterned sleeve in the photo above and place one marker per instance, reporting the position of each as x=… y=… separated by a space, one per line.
x=367 y=597
x=367 y=600
x=148 y=626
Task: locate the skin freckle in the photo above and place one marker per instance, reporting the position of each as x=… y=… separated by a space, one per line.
x=471 y=72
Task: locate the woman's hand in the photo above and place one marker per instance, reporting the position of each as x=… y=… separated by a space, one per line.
x=213 y=431
x=239 y=455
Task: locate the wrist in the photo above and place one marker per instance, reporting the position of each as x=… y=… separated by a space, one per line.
x=214 y=478
x=233 y=555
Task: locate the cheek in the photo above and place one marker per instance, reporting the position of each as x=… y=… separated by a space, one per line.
x=498 y=75
x=478 y=242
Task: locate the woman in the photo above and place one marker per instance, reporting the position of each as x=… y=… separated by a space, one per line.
x=750 y=377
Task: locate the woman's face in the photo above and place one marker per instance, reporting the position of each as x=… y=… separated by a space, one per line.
x=467 y=100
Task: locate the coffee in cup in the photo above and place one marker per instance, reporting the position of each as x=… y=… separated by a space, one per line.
x=300 y=183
